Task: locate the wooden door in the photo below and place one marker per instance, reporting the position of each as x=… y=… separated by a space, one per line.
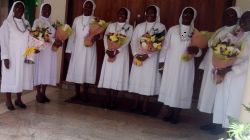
x=209 y=18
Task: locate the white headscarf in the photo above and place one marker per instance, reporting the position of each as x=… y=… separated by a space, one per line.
x=158 y=17
x=187 y=31
x=11 y=13
x=94 y=6
x=225 y=29
x=47 y=20
x=128 y=14
x=10 y=18
x=238 y=10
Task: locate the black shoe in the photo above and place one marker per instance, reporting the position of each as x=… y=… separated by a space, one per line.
x=208 y=127
x=46 y=99
x=40 y=99
x=175 y=120
x=217 y=130
x=10 y=107
x=145 y=113
x=20 y=104
x=168 y=118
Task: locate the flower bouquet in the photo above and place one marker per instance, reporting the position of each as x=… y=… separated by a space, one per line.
x=150 y=44
x=96 y=27
x=199 y=40
x=225 y=52
x=38 y=36
x=115 y=41
x=63 y=31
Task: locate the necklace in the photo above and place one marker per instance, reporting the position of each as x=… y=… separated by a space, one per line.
x=84 y=25
x=25 y=27
x=150 y=28
x=123 y=27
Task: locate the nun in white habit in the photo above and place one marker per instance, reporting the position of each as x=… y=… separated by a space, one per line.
x=16 y=75
x=208 y=86
x=229 y=94
x=145 y=79
x=115 y=73
x=46 y=60
x=178 y=76
x=83 y=61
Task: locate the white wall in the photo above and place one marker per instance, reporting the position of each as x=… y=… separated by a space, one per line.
x=245 y=116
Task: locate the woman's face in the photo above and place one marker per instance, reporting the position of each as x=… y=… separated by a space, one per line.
x=88 y=8
x=187 y=16
x=18 y=10
x=46 y=11
x=151 y=14
x=122 y=15
x=230 y=17
x=245 y=21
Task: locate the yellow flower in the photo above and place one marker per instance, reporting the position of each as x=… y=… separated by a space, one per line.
x=144 y=45
x=159 y=47
x=29 y=51
x=153 y=38
x=102 y=22
x=137 y=62
x=113 y=38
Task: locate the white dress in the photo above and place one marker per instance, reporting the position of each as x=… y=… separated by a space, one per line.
x=115 y=75
x=208 y=86
x=228 y=100
x=145 y=79
x=83 y=61
x=19 y=76
x=46 y=61
x=178 y=76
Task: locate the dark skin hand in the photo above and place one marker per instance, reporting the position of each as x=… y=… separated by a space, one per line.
x=57 y=43
x=192 y=50
x=161 y=65
x=112 y=53
x=222 y=72
x=6 y=63
x=67 y=56
x=142 y=57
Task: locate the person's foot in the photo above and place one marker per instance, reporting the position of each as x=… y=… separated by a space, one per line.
x=208 y=127
x=20 y=104
x=217 y=130
x=168 y=117
x=10 y=106
x=134 y=109
x=145 y=113
x=112 y=106
x=174 y=120
x=46 y=99
x=40 y=99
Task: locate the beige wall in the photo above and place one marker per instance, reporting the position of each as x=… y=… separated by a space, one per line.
x=58 y=13
x=245 y=116
x=244 y=4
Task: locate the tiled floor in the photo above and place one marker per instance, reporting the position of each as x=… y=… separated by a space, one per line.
x=59 y=120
